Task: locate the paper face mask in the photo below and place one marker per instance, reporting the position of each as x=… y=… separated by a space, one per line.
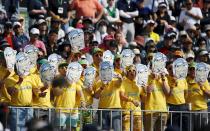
x=32 y=53
x=10 y=57
x=74 y=72
x=108 y=56
x=201 y=72
x=127 y=58
x=159 y=63
x=142 y=75
x=47 y=73
x=54 y=60
x=89 y=74
x=22 y=64
x=180 y=68
x=106 y=72
x=76 y=39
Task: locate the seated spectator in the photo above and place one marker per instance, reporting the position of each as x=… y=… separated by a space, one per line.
x=101 y=30
x=51 y=44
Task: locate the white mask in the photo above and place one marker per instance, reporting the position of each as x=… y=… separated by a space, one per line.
x=22 y=64
x=89 y=74
x=47 y=73
x=10 y=57
x=106 y=72
x=180 y=68
x=74 y=72
x=32 y=53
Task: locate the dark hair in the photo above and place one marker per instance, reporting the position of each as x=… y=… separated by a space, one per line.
x=53 y=31
x=60 y=81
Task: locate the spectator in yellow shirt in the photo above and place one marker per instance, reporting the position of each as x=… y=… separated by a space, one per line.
x=130 y=96
x=176 y=99
x=65 y=95
x=155 y=100
x=197 y=97
x=109 y=98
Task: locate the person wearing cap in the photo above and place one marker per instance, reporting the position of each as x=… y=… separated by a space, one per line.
x=187 y=46
x=155 y=99
x=203 y=56
x=128 y=11
x=106 y=42
x=34 y=39
x=43 y=29
x=111 y=13
x=8 y=33
x=148 y=31
x=137 y=58
x=197 y=98
x=61 y=9
x=176 y=99
x=20 y=39
x=190 y=15
x=162 y=18
x=56 y=25
x=101 y=30
x=189 y=57
x=131 y=97
x=88 y=8
x=207 y=37
x=165 y=45
x=51 y=44
x=117 y=65
x=178 y=54
x=97 y=58
x=35 y=9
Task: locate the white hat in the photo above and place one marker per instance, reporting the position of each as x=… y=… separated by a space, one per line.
x=41 y=21
x=183 y=32
x=136 y=51
x=34 y=31
x=207 y=27
x=162 y=4
x=16 y=23
x=190 y=55
x=172 y=18
x=204 y=52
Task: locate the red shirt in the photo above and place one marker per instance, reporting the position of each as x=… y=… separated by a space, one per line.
x=9 y=39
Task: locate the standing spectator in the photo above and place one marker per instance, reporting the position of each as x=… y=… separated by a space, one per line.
x=162 y=18
x=61 y=9
x=111 y=12
x=190 y=15
x=197 y=97
x=20 y=39
x=88 y=8
x=207 y=30
x=108 y=95
x=51 y=44
x=131 y=97
x=128 y=11
x=35 y=9
x=12 y=8
x=8 y=33
x=34 y=35
x=56 y=25
x=157 y=90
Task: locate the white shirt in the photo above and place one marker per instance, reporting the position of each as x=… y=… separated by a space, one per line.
x=189 y=20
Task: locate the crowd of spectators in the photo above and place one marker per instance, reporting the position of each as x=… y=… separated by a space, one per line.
x=176 y=28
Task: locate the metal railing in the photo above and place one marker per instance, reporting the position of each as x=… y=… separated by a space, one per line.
x=116 y=119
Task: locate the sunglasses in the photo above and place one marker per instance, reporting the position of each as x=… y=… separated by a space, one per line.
x=131 y=70
x=98 y=55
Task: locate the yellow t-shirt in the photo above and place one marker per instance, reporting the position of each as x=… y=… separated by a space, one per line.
x=24 y=95
x=68 y=98
x=132 y=91
x=196 y=96
x=177 y=95
x=118 y=71
x=110 y=96
x=156 y=100
x=40 y=101
x=10 y=81
x=155 y=37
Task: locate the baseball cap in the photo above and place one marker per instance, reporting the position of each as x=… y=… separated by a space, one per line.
x=96 y=50
x=136 y=51
x=83 y=62
x=62 y=64
x=34 y=31
x=172 y=18
x=204 y=52
x=16 y=24
x=192 y=65
x=41 y=21
x=108 y=38
x=182 y=33
x=117 y=56
x=207 y=27
x=189 y=55
x=179 y=53
x=42 y=61
x=162 y=4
